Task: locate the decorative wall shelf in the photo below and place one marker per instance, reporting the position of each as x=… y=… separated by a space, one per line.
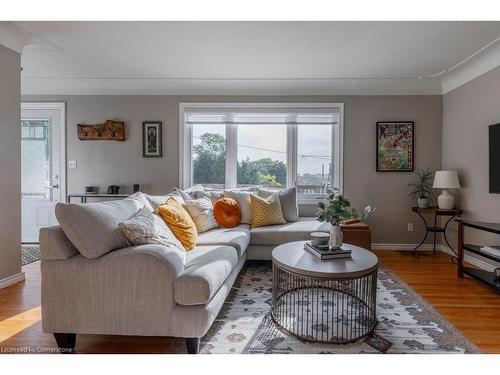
x=108 y=131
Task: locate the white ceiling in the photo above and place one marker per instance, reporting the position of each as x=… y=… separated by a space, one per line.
x=252 y=57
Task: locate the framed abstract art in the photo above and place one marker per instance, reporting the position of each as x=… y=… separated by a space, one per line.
x=151 y=139
x=395 y=146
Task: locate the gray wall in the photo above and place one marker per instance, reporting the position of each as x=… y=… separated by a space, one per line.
x=10 y=163
x=467 y=112
x=105 y=163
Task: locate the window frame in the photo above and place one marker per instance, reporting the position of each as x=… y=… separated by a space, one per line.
x=186 y=143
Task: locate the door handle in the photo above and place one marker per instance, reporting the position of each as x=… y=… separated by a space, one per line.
x=56 y=186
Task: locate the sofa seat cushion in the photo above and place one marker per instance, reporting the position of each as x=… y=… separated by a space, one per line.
x=237 y=237
x=207 y=268
x=283 y=233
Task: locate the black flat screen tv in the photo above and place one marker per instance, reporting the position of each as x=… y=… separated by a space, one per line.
x=494 y=145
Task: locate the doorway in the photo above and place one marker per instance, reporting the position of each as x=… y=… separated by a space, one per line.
x=43 y=162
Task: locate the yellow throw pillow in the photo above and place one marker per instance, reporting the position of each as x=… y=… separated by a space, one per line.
x=266 y=211
x=179 y=222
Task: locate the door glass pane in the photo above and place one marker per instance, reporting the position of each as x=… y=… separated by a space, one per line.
x=209 y=155
x=35 y=159
x=314 y=160
x=262 y=156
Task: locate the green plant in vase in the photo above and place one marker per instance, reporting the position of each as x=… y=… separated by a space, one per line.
x=336 y=209
x=421 y=188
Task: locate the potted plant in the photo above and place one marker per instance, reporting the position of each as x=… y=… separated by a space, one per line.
x=421 y=188
x=336 y=209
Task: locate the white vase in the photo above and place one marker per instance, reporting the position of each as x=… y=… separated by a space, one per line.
x=336 y=237
x=445 y=200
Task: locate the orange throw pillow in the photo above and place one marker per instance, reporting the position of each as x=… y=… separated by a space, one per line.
x=227 y=212
x=179 y=222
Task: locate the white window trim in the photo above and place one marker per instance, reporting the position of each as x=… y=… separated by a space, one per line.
x=185 y=142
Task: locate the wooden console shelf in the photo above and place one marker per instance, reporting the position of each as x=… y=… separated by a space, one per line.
x=481 y=275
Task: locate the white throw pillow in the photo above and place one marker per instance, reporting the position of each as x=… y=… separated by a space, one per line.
x=243 y=199
x=202 y=213
x=145 y=227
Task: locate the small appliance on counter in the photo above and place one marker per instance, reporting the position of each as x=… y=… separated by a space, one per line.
x=113 y=189
x=136 y=188
x=91 y=189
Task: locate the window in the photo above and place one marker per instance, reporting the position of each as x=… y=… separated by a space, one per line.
x=261 y=156
x=35 y=151
x=314 y=159
x=276 y=145
x=209 y=155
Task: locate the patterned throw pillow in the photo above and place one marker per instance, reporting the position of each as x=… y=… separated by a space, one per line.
x=145 y=227
x=179 y=221
x=266 y=211
x=202 y=213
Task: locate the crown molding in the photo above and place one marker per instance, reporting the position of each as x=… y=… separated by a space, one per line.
x=16 y=37
x=182 y=86
x=473 y=68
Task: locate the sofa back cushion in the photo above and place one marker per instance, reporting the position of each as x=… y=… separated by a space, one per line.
x=288 y=201
x=158 y=200
x=93 y=228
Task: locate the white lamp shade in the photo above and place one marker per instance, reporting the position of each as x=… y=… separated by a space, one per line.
x=446 y=180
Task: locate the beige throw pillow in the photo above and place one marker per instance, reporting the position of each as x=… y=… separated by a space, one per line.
x=243 y=200
x=202 y=213
x=266 y=211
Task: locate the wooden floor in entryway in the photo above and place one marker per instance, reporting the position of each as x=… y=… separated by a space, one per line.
x=470 y=306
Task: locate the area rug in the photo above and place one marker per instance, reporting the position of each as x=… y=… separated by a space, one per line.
x=29 y=254
x=406 y=323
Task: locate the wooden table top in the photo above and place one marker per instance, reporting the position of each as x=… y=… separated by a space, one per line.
x=438 y=211
x=294 y=258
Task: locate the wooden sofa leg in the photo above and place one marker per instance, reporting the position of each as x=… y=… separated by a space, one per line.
x=66 y=342
x=193 y=345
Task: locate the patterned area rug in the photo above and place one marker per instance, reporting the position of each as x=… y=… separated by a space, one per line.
x=406 y=323
x=29 y=254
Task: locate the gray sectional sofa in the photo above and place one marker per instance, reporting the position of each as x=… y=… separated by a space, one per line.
x=144 y=290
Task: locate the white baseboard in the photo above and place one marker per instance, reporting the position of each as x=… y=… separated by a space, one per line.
x=470 y=259
x=428 y=247
x=12 y=280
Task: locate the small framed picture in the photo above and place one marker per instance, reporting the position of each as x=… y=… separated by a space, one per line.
x=151 y=139
x=395 y=146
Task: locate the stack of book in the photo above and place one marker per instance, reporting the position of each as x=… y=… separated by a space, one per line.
x=492 y=250
x=325 y=253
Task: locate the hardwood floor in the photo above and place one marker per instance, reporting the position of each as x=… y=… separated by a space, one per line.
x=468 y=305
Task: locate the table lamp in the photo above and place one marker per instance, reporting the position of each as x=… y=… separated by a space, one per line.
x=446 y=180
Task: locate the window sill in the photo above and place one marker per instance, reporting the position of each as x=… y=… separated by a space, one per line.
x=310 y=201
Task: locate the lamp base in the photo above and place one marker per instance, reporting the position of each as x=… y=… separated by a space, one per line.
x=445 y=200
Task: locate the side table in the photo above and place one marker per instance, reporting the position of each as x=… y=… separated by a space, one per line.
x=436 y=211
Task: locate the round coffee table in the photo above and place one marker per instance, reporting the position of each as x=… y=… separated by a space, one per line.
x=332 y=301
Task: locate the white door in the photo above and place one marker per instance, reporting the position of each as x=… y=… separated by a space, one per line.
x=42 y=165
